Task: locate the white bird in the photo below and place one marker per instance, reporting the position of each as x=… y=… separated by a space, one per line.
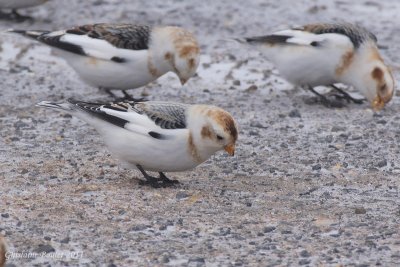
x=17 y=4
x=123 y=56
x=157 y=136
x=325 y=54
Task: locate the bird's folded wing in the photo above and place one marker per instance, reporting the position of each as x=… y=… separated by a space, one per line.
x=146 y=118
x=103 y=41
x=166 y=115
x=355 y=33
x=287 y=37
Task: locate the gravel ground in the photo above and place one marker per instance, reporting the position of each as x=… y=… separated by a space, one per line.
x=309 y=185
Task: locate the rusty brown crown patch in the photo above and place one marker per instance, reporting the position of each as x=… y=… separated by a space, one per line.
x=187 y=50
x=226 y=121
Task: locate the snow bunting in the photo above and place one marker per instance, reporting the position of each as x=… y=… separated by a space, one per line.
x=124 y=56
x=157 y=136
x=324 y=54
x=17 y=4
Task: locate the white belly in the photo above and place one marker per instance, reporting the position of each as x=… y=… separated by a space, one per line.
x=109 y=74
x=306 y=66
x=152 y=154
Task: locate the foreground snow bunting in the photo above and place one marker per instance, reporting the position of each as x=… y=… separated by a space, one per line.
x=17 y=4
x=158 y=136
x=324 y=54
x=123 y=56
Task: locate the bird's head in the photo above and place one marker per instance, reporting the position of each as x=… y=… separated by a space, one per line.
x=372 y=77
x=185 y=56
x=214 y=129
x=379 y=85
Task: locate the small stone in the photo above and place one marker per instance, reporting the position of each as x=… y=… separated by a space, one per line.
x=305 y=254
x=329 y=138
x=316 y=167
x=197 y=259
x=252 y=88
x=360 y=210
x=65 y=240
x=381 y=163
x=338 y=129
x=45 y=248
x=47 y=238
x=121 y=212
x=236 y=82
x=284 y=145
x=5 y=215
x=269 y=229
x=254 y=133
x=294 y=114
x=182 y=195
x=304 y=262
x=165 y=259
x=139 y=227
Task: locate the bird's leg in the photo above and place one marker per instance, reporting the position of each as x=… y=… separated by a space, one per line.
x=165 y=179
x=153 y=181
x=346 y=95
x=325 y=101
x=131 y=98
x=126 y=96
x=108 y=91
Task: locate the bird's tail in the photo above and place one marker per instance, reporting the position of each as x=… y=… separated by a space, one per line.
x=62 y=106
x=30 y=34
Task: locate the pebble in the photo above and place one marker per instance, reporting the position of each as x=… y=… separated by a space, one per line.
x=294 y=114
x=360 y=210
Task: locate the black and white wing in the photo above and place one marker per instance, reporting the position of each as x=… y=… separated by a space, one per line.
x=315 y=35
x=150 y=118
x=103 y=41
x=355 y=33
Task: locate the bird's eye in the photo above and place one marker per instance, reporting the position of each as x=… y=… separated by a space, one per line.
x=220 y=137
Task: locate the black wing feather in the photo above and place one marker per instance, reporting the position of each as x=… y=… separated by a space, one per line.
x=355 y=33
x=126 y=36
x=94 y=109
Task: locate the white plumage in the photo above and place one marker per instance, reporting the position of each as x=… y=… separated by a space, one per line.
x=158 y=136
x=324 y=54
x=123 y=56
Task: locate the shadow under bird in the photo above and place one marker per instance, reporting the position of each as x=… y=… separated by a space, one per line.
x=157 y=136
x=123 y=56
x=329 y=53
x=14 y=5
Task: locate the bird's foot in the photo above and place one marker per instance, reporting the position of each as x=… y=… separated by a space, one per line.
x=158 y=182
x=325 y=101
x=126 y=97
x=165 y=179
x=340 y=94
x=162 y=181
